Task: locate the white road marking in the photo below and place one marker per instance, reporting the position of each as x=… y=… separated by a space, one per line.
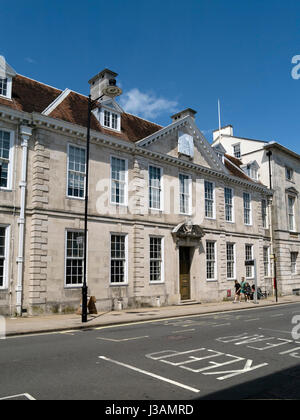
x=269 y=329
x=123 y=339
x=275 y=316
x=28 y=396
x=251 y=320
x=184 y=331
x=221 y=325
x=144 y=372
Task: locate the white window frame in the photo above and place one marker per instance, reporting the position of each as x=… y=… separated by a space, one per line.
x=79 y=285
x=111 y=112
x=264 y=216
x=232 y=205
x=125 y=283
x=162 y=266
x=161 y=198
x=294 y=263
x=6 y=257
x=267 y=262
x=11 y=159
x=234 y=152
x=68 y=155
x=214 y=200
x=215 y=261
x=190 y=192
x=291 y=214
x=125 y=182
x=8 y=88
x=249 y=259
x=231 y=261
x=250 y=209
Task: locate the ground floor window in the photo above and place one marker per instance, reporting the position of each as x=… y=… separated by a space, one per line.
x=266 y=262
x=74 y=258
x=294 y=256
x=211 y=260
x=118 y=264
x=3 y=256
x=230 y=248
x=249 y=257
x=156 y=259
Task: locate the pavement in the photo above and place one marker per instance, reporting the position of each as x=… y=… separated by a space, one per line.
x=54 y=323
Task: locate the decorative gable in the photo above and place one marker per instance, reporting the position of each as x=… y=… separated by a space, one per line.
x=7 y=74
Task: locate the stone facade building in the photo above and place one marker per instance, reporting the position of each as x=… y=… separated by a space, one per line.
x=278 y=167
x=171 y=219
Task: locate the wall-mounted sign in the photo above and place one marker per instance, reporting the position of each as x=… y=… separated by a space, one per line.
x=186 y=144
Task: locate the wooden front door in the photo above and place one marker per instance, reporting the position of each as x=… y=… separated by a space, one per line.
x=185 y=272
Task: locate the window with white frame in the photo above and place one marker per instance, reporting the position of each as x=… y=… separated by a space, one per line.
x=118 y=261
x=291 y=213
x=156 y=259
x=211 y=260
x=294 y=256
x=185 y=193
x=247 y=208
x=230 y=252
x=3 y=86
x=209 y=200
x=111 y=119
x=155 y=187
x=76 y=171
x=118 y=181
x=249 y=257
x=228 y=192
x=266 y=261
x=3 y=256
x=237 y=151
x=5 y=148
x=264 y=213
x=74 y=258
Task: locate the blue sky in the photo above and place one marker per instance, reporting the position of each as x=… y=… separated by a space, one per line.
x=170 y=55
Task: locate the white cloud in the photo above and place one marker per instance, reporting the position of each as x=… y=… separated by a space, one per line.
x=146 y=105
x=30 y=60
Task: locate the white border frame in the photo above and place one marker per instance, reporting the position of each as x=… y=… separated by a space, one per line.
x=214 y=197
x=234 y=260
x=125 y=204
x=252 y=258
x=67 y=186
x=6 y=256
x=112 y=111
x=126 y=283
x=162 y=281
x=251 y=209
x=233 y=205
x=9 y=88
x=11 y=160
x=74 y=286
x=190 y=212
x=215 y=279
x=162 y=192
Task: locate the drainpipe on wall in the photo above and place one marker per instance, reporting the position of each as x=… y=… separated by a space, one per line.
x=25 y=133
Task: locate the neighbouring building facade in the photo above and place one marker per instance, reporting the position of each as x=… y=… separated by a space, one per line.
x=278 y=167
x=171 y=219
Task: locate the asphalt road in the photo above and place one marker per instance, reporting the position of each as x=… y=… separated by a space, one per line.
x=235 y=355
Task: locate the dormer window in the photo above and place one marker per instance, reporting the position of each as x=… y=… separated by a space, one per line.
x=111 y=120
x=3 y=86
x=109 y=115
x=7 y=74
x=251 y=169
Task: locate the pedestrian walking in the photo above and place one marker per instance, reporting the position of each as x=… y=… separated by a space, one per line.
x=238 y=289
x=243 y=288
x=247 y=292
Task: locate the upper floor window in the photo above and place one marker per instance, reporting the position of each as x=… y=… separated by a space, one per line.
x=118 y=181
x=264 y=214
x=228 y=204
x=289 y=174
x=155 y=187
x=247 y=208
x=185 y=183
x=5 y=158
x=3 y=86
x=111 y=120
x=76 y=171
x=209 y=200
x=237 y=151
x=291 y=213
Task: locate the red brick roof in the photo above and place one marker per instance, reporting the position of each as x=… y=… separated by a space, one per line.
x=31 y=96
